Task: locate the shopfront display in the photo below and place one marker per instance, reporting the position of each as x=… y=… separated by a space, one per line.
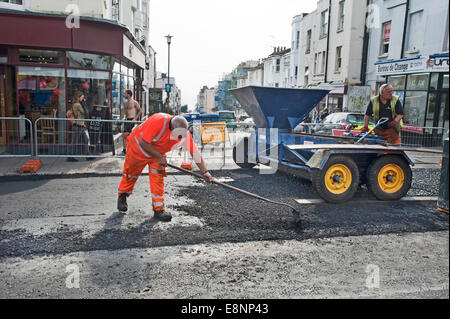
x=41 y=73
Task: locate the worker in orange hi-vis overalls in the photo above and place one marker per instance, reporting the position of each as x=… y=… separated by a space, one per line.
x=148 y=144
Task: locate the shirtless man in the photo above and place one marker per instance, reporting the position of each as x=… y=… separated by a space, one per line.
x=132 y=111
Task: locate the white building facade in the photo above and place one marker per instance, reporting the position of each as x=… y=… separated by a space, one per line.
x=277 y=68
x=328 y=49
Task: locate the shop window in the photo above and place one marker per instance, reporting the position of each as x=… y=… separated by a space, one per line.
x=398 y=82
x=415 y=103
x=434 y=81
x=41 y=56
x=95 y=85
x=445 y=82
x=88 y=61
x=418 y=81
x=116 y=94
x=41 y=91
x=432 y=100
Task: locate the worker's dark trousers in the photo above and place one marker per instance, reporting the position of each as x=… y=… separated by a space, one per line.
x=78 y=135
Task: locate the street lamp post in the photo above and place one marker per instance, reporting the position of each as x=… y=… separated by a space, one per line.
x=168 y=89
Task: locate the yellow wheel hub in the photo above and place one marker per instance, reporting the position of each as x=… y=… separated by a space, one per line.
x=391 y=178
x=338 y=179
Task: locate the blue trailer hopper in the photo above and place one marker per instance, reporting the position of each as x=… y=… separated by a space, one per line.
x=335 y=165
x=278 y=108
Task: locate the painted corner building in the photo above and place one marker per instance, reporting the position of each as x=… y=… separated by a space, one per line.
x=408 y=48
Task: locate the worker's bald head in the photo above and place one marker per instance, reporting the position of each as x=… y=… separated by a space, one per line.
x=179 y=126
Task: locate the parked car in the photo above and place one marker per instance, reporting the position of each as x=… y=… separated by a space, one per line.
x=340 y=122
x=229 y=117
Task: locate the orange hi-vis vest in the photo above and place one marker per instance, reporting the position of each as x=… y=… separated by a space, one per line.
x=156 y=131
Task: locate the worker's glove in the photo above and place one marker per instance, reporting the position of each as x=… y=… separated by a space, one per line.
x=364 y=130
x=208 y=177
x=393 y=124
x=162 y=161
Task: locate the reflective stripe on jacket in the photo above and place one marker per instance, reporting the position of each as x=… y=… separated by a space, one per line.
x=376 y=109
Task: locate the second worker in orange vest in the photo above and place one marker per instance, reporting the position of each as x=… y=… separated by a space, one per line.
x=148 y=144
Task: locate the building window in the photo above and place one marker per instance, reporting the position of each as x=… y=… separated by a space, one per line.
x=308 y=41
x=415 y=32
x=88 y=61
x=338 y=59
x=324 y=57
x=278 y=66
x=306 y=76
x=41 y=56
x=386 y=38
x=296 y=72
x=297 y=41
x=115 y=7
x=316 y=58
x=341 y=16
x=145 y=14
x=324 y=24
x=19 y=2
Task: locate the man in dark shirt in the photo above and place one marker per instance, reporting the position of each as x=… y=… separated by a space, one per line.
x=385 y=105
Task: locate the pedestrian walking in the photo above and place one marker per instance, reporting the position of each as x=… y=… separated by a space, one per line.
x=132 y=112
x=79 y=128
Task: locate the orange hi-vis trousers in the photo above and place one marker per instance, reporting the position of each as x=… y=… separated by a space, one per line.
x=390 y=135
x=135 y=162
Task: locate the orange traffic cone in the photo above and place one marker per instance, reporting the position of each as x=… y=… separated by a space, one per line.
x=31 y=166
x=187 y=165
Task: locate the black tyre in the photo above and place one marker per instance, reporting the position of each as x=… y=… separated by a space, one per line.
x=338 y=181
x=389 y=177
x=243 y=163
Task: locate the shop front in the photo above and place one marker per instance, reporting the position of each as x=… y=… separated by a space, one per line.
x=41 y=72
x=422 y=84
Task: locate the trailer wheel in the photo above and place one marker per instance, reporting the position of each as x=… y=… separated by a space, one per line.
x=338 y=181
x=245 y=164
x=389 y=177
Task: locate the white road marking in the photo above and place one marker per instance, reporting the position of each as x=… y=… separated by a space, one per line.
x=404 y=199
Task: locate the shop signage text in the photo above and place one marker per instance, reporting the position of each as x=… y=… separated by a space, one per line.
x=401 y=67
x=422 y=64
x=438 y=64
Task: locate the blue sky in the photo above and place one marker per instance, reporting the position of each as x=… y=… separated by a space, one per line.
x=212 y=37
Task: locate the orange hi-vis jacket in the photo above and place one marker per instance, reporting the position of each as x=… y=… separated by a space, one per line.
x=155 y=131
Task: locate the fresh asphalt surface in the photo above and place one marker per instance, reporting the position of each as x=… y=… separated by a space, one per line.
x=47 y=219
x=227 y=216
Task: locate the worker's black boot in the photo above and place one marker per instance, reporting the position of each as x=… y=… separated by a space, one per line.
x=122 y=203
x=163 y=216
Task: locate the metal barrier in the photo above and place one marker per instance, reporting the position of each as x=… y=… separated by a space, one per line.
x=419 y=136
x=411 y=135
x=57 y=137
x=16 y=137
x=96 y=139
